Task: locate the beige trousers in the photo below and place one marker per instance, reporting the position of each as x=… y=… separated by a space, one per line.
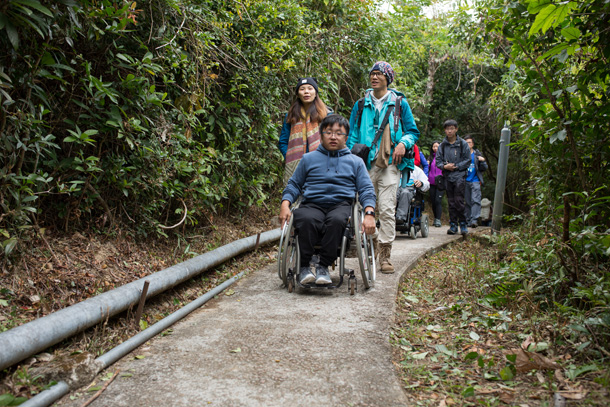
x=385 y=181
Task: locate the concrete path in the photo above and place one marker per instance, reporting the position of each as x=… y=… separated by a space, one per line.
x=262 y=346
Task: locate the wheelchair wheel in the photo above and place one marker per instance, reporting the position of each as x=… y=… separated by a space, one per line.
x=344 y=246
x=289 y=256
x=281 y=248
x=413 y=232
x=425 y=226
x=363 y=248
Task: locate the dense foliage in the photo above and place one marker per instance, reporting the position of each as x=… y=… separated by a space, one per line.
x=140 y=111
x=556 y=94
x=137 y=112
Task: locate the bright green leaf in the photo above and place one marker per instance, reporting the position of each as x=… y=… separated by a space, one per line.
x=535 y=6
x=571 y=33
x=471 y=355
x=543 y=18
x=553 y=51
x=468 y=392
x=506 y=373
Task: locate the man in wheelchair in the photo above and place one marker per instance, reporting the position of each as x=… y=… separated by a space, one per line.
x=409 y=186
x=328 y=180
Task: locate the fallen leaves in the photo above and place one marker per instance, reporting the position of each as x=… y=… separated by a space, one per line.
x=472 y=351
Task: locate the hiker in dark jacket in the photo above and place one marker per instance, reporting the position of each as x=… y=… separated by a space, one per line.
x=453 y=157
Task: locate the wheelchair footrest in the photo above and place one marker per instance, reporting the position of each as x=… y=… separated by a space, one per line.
x=327 y=286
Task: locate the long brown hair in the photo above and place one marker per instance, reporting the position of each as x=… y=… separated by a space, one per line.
x=317 y=110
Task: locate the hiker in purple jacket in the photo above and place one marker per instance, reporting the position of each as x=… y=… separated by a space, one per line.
x=436 y=191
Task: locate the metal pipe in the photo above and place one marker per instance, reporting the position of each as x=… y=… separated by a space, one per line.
x=28 y=339
x=496 y=222
x=46 y=397
x=59 y=390
x=124 y=348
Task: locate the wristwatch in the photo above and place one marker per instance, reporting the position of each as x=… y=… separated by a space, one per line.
x=369 y=213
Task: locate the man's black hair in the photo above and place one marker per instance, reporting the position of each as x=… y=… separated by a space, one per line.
x=333 y=119
x=449 y=123
x=469 y=137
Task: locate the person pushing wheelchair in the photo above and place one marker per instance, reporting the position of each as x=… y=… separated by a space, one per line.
x=328 y=180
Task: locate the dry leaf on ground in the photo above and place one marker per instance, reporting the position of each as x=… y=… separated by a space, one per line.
x=527 y=361
x=577 y=393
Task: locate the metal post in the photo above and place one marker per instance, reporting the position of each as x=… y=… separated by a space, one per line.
x=141 y=304
x=496 y=222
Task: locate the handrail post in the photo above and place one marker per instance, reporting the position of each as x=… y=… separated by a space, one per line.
x=496 y=222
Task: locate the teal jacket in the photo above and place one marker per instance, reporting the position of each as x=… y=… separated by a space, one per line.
x=406 y=133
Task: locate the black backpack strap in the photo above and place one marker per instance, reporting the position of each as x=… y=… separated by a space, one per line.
x=360 y=109
x=397 y=113
x=359 y=112
x=384 y=123
x=410 y=153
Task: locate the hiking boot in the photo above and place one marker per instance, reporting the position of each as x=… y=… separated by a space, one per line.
x=437 y=223
x=306 y=276
x=322 y=275
x=473 y=224
x=463 y=228
x=452 y=229
x=385 y=249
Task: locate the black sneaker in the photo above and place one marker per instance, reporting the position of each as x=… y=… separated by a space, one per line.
x=452 y=229
x=463 y=228
x=322 y=275
x=306 y=276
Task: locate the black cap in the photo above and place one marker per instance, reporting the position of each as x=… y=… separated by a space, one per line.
x=306 y=81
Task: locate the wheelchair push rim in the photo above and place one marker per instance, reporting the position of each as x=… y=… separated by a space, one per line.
x=289 y=256
x=364 y=248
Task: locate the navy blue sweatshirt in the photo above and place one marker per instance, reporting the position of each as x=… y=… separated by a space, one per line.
x=326 y=178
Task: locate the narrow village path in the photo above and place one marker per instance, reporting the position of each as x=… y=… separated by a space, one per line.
x=258 y=345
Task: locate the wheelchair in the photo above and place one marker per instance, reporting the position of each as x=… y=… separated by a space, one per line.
x=354 y=239
x=417 y=221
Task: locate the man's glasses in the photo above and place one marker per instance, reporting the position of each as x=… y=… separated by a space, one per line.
x=332 y=133
x=375 y=74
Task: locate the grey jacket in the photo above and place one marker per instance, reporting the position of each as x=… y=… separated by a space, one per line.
x=457 y=153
